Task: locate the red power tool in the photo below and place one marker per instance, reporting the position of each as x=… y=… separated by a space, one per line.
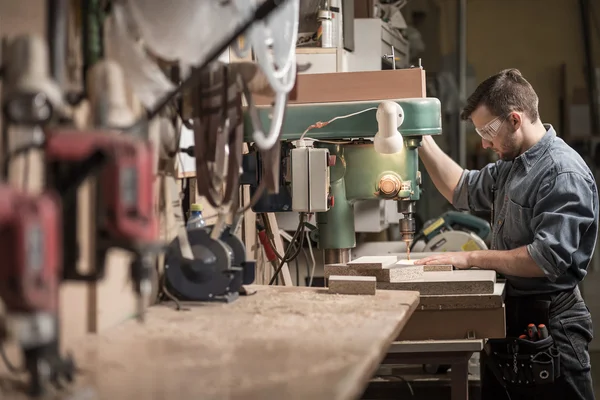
x=30 y=274
x=125 y=207
x=30 y=245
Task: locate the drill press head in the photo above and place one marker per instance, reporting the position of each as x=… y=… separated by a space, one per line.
x=376 y=153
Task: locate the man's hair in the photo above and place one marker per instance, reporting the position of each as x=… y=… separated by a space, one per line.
x=503 y=93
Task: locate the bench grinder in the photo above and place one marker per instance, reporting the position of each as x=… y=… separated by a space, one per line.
x=365 y=150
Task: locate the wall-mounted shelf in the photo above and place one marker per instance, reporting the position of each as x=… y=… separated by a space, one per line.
x=315 y=50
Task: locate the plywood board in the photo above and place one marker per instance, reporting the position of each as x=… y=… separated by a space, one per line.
x=446 y=283
x=389 y=274
x=339 y=284
x=437 y=346
x=428 y=268
x=464 y=301
x=356 y=86
x=401 y=273
x=437 y=268
x=373 y=262
x=280 y=343
x=455 y=324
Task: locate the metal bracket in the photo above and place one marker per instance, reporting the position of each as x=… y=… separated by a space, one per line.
x=392 y=57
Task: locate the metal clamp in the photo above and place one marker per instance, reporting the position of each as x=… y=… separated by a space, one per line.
x=392 y=57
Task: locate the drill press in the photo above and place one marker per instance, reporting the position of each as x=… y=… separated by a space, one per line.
x=373 y=154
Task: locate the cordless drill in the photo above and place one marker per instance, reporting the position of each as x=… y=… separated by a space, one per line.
x=30 y=273
x=125 y=210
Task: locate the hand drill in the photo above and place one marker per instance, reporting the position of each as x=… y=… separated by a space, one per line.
x=30 y=244
x=125 y=209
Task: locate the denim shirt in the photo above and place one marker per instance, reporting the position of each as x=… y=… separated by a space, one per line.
x=547 y=200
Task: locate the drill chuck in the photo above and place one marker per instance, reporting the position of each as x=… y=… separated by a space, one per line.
x=407 y=223
x=407 y=227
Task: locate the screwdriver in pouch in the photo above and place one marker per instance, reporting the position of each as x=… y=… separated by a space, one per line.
x=532 y=332
x=542 y=331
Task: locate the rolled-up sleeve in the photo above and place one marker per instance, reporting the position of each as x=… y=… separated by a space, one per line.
x=564 y=212
x=474 y=189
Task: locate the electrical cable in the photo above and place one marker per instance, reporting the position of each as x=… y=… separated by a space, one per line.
x=297 y=249
x=306 y=262
x=321 y=124
x=297 y=271
x=9 y=365
x=418 y=237
x=286 y=256
x=267 y=225
x=312 y=257
x=170 y=295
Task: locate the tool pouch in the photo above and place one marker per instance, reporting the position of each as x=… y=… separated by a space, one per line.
x=523 y=364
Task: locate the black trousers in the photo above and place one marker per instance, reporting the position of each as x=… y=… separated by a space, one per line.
x=572 y=332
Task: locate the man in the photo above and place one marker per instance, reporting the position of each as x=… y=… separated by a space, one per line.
x=544 y=205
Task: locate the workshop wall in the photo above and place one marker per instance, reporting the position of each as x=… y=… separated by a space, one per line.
x=536 y=36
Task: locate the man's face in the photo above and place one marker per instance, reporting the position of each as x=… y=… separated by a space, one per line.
x=497 y=133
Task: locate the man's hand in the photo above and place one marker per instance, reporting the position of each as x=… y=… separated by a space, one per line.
x=516 y=262
x=460 y=260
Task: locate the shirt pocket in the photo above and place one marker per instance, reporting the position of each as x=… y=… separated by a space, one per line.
x=516 y=231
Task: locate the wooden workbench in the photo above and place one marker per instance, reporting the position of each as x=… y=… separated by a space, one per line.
x=280 y=343
x=452 y=352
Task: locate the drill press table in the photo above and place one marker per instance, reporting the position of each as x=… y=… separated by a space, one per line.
x=282 y=342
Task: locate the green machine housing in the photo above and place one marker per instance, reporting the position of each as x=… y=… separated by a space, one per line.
x=360 y=172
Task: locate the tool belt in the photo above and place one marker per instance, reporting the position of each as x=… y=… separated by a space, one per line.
x=522 y=364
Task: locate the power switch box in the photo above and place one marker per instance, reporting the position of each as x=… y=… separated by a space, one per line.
x=310 y=180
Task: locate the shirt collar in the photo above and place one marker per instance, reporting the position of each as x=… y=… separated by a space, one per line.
x=535 y=152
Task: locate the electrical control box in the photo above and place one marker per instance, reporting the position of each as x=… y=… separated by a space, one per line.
x=310 y=179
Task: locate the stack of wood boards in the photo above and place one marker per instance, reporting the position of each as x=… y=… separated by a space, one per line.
x=383 y=268
x=393 y=274
x=454 y=304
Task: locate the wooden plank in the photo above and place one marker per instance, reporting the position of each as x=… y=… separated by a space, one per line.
x=389 y=274
x=373 y=262
x=437 y=268
x=344 y=284
x=464 y=301
x=356 y=86
x=281 y=343
x=428 y=268
x=436 y=346
x=401 y=273
x=446 y=283
x=455 y=324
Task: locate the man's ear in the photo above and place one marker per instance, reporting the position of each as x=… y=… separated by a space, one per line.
x=515 y=120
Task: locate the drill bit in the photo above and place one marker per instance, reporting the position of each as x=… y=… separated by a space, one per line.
x=407 y=249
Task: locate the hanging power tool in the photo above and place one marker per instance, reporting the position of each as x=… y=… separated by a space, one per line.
x=454 y=231
x=125 y=213
x=30 y=244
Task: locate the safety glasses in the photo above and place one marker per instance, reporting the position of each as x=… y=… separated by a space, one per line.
x=490 y=130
